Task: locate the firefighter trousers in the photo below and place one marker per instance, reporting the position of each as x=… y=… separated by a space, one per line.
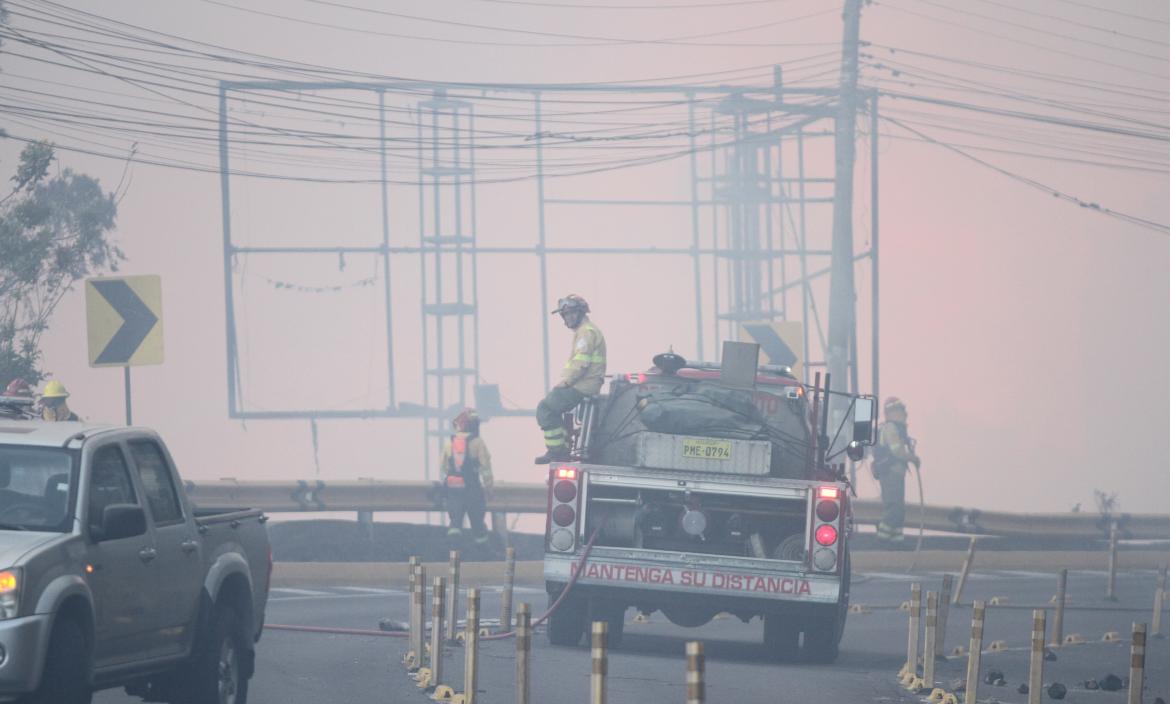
x=468 y=501
x=893 y=483
x=550 y=413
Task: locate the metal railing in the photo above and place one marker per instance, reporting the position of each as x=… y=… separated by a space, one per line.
x=369 y=495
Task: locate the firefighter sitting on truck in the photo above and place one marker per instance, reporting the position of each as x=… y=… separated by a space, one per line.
x=582 y=377
x=467 y=472
x=892 y=457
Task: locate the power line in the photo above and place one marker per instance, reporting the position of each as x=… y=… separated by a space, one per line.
x=1113 y=11
x=587 y=40
x=1022 y=42
x=1089 y=205
x=1045 y=32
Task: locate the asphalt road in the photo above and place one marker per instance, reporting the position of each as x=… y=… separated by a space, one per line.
x=304 y=668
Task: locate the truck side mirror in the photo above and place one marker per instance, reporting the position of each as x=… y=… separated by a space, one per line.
x=864 y=420
x=121 y=521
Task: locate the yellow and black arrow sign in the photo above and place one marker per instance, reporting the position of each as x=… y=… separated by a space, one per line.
x=124 y=321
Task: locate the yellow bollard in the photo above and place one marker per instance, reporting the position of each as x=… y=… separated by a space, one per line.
x=453 y=600
x=975 y=653
x=915 y=616
x=506 y=596
x=600 y=663
x=1137 y=663
x=523 y=653
x=931 y=637
x=696 y=688
x=438 y=594
x=418 y=617
x=471 y=648
x=1159 y=602
x=1036 y=672
x=1058 y=617
x=944 y=610
x=1111 y=587
x=967 y=562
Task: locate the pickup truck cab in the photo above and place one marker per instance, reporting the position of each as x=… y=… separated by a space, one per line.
x=110 y=577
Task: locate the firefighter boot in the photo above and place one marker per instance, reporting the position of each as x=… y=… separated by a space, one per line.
x=559 y=453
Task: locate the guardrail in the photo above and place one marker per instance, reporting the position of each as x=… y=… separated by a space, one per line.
x=369 y=495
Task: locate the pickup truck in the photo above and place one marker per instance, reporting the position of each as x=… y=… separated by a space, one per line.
x=109 y=577
x=693 y=496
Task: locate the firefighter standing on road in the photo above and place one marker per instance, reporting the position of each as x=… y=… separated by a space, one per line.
x=466 y=467
x=582 y=377
x=53 y=406
x=892 y=458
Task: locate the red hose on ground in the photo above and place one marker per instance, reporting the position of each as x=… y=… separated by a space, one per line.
x=335 y=631
x=402 y=634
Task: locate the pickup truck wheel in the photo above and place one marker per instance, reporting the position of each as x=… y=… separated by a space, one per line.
x=66 y=677
x=781 y=637
x=216 y=676
x=567 y=624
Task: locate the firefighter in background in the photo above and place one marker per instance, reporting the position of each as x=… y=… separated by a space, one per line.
x=892 y=458
x=467 y=472
x=582 y=377
x=53 y=406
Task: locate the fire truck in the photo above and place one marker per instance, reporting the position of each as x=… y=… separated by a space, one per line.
x=696 y=490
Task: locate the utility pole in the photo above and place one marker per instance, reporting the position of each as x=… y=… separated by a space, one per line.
x=842 y=294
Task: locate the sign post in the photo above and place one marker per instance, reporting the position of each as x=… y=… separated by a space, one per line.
x=123 y=317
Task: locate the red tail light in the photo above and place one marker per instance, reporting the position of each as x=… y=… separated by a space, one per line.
x=564 y=515
x=826 y=535
x=569 y=473
x=828 y=492
x=828 y=511
x=564 y=491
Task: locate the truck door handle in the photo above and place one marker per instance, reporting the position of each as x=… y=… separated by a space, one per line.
x=189 y=546
x=147 y=554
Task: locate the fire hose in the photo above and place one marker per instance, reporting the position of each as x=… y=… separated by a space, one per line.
x=498 y=636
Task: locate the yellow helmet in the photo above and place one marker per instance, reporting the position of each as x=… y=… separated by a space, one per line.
x=55 y=389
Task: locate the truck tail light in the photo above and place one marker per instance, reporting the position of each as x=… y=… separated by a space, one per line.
x=826 y=521
x=564 y=508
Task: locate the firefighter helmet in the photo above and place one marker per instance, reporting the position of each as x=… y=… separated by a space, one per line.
x=466 y=421
x=55 y=389
x=893 y=403
x=570 y=304
x=18 y=387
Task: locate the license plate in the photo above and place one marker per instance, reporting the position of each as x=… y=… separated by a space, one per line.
x=707 y=449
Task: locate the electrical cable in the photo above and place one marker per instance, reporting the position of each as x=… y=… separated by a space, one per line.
x=1132 y=219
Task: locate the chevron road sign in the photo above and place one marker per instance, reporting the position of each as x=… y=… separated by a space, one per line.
x=124 y=321
x=780 y=343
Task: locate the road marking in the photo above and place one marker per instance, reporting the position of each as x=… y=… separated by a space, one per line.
x=373 y=590
x=299 y=592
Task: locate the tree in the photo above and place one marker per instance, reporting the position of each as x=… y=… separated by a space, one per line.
x=54 y=231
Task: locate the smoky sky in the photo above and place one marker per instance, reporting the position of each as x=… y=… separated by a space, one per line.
x=1026 y=331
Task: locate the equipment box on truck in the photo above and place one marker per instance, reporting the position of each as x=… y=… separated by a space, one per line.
x=693 y=496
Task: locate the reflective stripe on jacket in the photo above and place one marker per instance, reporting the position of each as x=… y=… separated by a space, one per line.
x=585 y=370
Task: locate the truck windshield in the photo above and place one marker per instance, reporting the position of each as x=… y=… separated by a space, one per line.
x=35 y=488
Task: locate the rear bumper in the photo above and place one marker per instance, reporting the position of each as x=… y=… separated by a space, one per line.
x=25 y=642
x=722 y=578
